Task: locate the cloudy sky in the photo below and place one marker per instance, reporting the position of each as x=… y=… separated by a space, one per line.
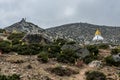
x=50 y=13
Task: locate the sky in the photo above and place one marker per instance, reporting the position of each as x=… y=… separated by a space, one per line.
x=51 y=13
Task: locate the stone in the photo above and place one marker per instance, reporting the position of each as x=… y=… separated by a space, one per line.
x=96 y=64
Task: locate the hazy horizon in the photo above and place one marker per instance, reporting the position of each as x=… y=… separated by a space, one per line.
x=51 y=13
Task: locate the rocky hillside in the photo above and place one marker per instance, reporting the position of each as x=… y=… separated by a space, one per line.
x=84 y=31
x=24 y=27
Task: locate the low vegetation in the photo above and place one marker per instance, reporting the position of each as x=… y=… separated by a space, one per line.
x=43 y=56
x=63 y=71
x=93 y=49
x=115 y=51
x=110 y=61
x=95 y=75
x=67 y=56
x=13 y=77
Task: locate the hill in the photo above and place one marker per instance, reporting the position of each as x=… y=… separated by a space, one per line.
x=85 y=31
x=24 y=26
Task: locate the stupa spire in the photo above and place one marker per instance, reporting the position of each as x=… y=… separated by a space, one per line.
x=97 y=32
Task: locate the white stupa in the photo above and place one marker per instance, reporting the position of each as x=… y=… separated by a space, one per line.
x=98 y=36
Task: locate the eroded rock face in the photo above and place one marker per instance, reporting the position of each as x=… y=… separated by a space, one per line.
x=81 y=52
x=37 y=38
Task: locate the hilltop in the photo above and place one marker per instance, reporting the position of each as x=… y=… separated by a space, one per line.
x=24 y=26
x=84 y=31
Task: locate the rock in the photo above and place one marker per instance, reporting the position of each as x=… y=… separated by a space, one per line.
x=37 y=38
x=116 y=57
x=96 y=64
x=81 y=52
x=24 y=26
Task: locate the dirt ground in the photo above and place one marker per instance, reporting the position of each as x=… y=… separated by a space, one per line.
x=37 y=71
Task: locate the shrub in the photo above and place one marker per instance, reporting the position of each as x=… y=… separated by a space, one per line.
x=62 y=71
x=31 y=49
x=15 y=41
x=43 y=56
x=54 y=50
x=5 y=46
x=103 y=46
x=93 y=49
x=71 y=42
x=2 y=30
x=115 y=51
x=60 y=41
x=95 y=75
x=13 y=77
x=67 y=56
x=89 y=59
x=16 y=36
x=110 y=61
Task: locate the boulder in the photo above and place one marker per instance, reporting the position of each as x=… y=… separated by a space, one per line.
x=116 y=57
x=81 y=52
x=96 y=64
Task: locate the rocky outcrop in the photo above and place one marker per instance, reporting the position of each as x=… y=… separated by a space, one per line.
x=81 y=52
x=37 y=38
x=24 y=26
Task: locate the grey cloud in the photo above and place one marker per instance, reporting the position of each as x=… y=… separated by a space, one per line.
x=49 y=13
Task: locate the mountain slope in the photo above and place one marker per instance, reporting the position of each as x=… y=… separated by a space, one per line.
x=84 y=31
x=24 y=26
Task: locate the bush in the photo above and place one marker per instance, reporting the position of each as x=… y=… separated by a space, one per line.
x=89 y=59
x=110 y=61
x=31 y=49
x=54 y=50
x=95 y=75
x=2 y=30
x=15 y=41
x=103 y=46
x=93 y=49
x=43 y=56
x=67 y=56
x=71 y=42
x=60 y=41
x=115 y=51
x=13 y=77
x=5 y=46
x=62 y=71
x=15 y=36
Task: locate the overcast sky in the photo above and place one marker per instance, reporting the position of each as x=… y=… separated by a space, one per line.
x=50 y=13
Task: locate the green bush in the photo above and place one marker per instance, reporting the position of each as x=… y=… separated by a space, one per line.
x=31 y=49
x=16 y=41
x=60 y=42
x=62 y=71
x=2 y=30
x=5 y=46
x=71 y=42
x=54 y=50
x=93 y=49
x=110 y=61
x=115 y=51
x=16 y=36
x=67 y=56
x=89 y=59
x=43 y=56
x=13 y=77
x=95 y=75
x=103 y=46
